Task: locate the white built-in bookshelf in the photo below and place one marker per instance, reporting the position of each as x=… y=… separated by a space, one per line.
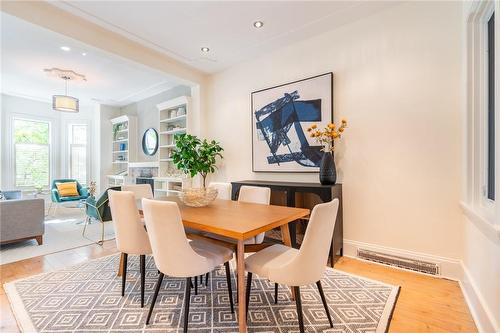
x=124 y=141
x=174 y=119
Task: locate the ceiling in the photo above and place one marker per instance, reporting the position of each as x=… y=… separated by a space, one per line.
x=181 y=28
x=27 y=49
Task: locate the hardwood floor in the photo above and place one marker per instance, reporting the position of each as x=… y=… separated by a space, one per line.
x=425 y=304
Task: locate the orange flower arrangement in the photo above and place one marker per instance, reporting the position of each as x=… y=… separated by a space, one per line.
x=328 y=135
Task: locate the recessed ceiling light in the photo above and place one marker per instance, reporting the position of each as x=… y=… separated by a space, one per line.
x=66 y=48
x=258 y=24
x=205 y=49
x=84 y=54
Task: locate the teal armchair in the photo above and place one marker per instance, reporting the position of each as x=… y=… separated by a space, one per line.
x=56 y=198
x=99 y=210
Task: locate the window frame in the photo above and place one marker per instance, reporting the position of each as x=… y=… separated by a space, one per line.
x=490 y=172
x=13 y=149
x=475 y=202
x=70 y=144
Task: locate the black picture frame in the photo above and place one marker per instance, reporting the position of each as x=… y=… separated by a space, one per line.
x=253 y=124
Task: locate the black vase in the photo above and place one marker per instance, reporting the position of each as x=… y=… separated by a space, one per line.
x=327 y=171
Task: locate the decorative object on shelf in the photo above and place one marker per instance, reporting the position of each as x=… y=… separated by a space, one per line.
x=326 y=138
x=195 y=156
x=116 y=128
x=181 y=111
x=279 y=143
x=65 y=103
x=150 y=142
x=198 y=197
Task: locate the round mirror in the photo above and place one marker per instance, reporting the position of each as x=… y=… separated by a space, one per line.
x=150 y=142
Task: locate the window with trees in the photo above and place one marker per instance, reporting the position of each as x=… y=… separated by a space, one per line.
x=78 y=152
x=31 y=153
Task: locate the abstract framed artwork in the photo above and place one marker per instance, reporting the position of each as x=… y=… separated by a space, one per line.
x=280 y=118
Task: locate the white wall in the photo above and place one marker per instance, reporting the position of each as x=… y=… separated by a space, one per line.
x=482 y=275
x=398 y=81
x=148 y=115
x=22 y=107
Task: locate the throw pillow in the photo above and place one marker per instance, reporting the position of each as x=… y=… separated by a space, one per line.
x=67 y=189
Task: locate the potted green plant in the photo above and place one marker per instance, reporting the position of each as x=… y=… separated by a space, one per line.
x=195 y=156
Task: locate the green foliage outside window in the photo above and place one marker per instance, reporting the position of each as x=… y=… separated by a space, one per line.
x=31 y=140
x=28 y=131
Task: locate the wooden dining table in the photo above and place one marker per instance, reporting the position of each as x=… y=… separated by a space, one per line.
x=238 y=221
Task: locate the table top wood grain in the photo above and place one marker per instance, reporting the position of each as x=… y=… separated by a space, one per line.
x=234 y=219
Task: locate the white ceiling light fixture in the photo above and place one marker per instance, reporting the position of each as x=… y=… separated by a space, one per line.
x=205 y=49
x=84 y=54
x=65 y=103
x=258 y=24
x=66 y=48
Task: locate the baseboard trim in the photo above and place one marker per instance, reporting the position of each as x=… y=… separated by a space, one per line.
x=453 y=269
x=450 y=268
x=481 y=313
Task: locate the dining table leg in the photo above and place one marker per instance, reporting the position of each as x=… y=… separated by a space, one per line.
x=240 y=262
x=285 y=235
x=120 y=265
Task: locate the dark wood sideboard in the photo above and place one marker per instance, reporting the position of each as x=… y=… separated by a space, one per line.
x=325 y=192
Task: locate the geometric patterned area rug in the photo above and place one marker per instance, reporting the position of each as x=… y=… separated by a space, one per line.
x=87 y=298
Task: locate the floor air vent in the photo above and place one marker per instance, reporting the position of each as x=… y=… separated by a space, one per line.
x=401 y=262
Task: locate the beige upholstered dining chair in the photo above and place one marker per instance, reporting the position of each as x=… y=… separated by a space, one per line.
x=175 y=256
x=292 y=267
x=131 y=237
x=223 y=189
x=251 y=194
x=259 y=195
x=140 y=190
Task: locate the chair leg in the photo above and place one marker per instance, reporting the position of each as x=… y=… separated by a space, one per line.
x=153 y=301
x=201 y=279
x=196 y=285
x=275 y=293
x=249 y=286
x=124 y=275
x=229 y=287
x=298 y=302
x=143 y=277
x=85 y=225
x=187 y=299
x=206 y=279
x=102 y=234
x=323 y=299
